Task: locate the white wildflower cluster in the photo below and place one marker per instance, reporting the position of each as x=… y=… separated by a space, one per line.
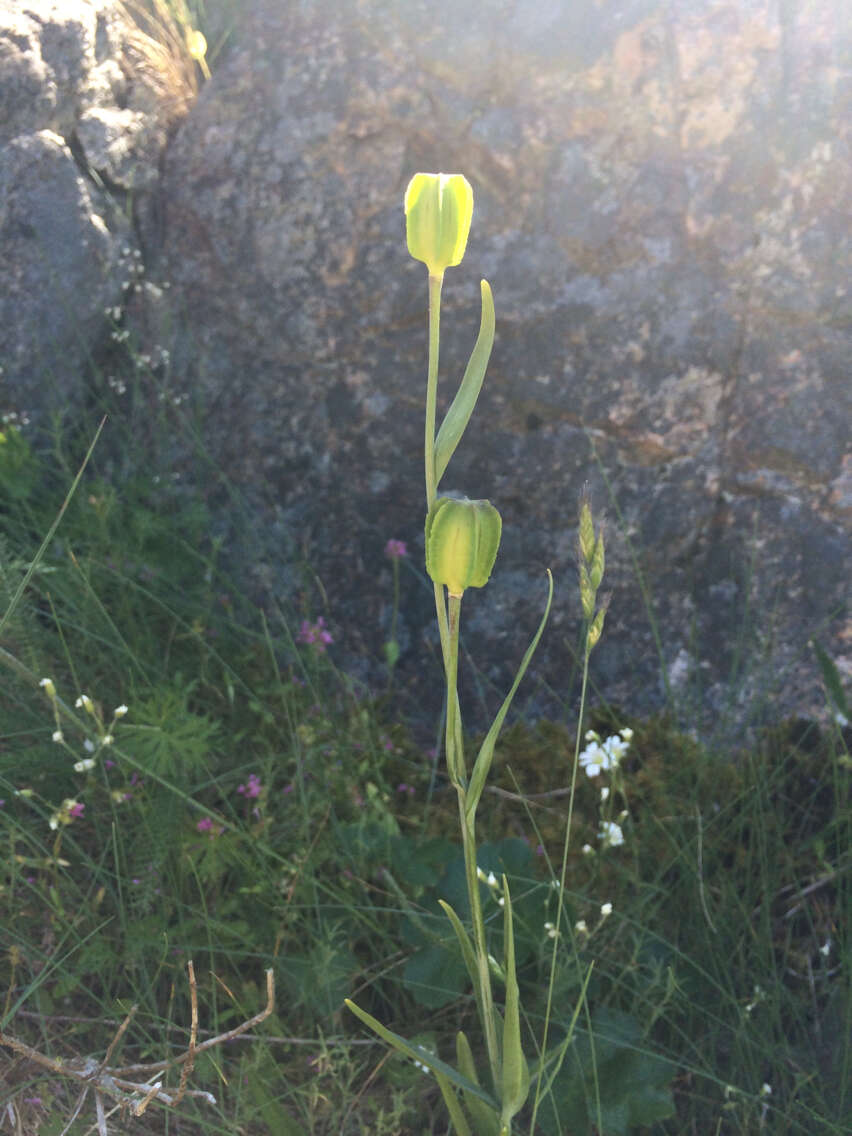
x=104 y=736
x=581 y=927
x=606 y=754
x=611 y=834
x=14 y=418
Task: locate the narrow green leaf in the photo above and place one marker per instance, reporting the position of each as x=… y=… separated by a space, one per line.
x=418 y=1053
x=468 y=953
x=486 y=751
x=486 y=1120
x=458 y=416
x=454 y=1108
x=516 y=1074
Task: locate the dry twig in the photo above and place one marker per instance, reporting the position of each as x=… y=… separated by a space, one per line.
x=122 y=1083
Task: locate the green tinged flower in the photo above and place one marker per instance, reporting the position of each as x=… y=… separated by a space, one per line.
x=438 y=210
x=462 y=538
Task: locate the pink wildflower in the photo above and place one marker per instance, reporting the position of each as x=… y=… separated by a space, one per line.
x=77 y=810
x=205 y=824
x=315 y=634
x=252 y=789
x=396 y=549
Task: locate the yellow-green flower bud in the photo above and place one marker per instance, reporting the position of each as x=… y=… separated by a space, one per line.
x=438 y=209
x=462 y=538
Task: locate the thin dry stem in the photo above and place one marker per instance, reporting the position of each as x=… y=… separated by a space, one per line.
x=121 y=1082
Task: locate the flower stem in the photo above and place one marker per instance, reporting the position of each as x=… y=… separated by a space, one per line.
x=564 y=869
x=435 y=283
x=455 y=766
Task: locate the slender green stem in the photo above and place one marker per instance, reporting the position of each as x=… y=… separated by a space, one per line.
x=435 y=283
x=563 y=870
x=454 y=758
x=455 y=765
x=395 y=612
x=448 y=627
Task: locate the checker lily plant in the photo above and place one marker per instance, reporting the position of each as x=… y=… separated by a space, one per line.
x=462 y=540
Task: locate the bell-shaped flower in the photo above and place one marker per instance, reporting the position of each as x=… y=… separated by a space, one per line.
x=462 y=538
x=438 y=211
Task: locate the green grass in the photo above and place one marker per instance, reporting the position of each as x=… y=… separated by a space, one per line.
x=723 y=967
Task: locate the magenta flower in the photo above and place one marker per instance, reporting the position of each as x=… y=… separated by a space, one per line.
x=205 y=824
x=314 y=634
x=77 y=810
x=396 y=549
x=252 y=789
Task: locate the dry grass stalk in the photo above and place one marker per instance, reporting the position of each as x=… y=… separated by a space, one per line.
x=166 y=51
x=135 y=1087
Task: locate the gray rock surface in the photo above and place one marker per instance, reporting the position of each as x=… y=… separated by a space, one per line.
x=662 y=209
x=81 y=124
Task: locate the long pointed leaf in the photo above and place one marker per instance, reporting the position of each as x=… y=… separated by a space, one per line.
x=454 y=1107
x=486 y=751
x=458 y=416
x=486 y=1120
x=418 y=1053
x=468 y=953
x=516 y=1074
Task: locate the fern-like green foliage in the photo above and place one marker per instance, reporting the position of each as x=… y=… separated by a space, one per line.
x=171 y=743
x=169 y=739
x=20 y=631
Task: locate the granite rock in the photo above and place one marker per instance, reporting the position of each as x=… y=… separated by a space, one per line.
x=662 y=211
x=82 y=123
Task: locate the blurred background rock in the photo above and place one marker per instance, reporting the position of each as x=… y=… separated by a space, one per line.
x=662 y=208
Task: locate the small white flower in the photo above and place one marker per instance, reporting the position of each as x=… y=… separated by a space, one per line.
x=606 y=909
x=587 y=850
x=491 y=880
x=84 y=765
x=825 y=949
x=89 y=745
x=605 y=793
x=610 y=834
x=593 y=759
x=480 y=875
x=47 y=686
x=107 y=740
x=86 y=703
x=616 y=748
x=120 y=711
x=765 y=1090
x=57 y=736
x=626 y=733
x=555 y=885
x=53 y=823
x=592 y=736
x=551 y=930
x=580 y=927
x=501 y=902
